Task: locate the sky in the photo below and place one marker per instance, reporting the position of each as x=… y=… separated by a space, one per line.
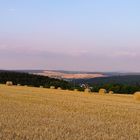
x=86 y=35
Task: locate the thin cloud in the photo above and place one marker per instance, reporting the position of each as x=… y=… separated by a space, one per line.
x=126 y=54
x=3 y=46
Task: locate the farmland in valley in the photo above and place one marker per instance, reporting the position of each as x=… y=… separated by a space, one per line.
x=69 y=75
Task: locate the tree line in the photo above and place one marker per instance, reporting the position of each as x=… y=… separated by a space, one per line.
x=32 y=80
x=119 y=84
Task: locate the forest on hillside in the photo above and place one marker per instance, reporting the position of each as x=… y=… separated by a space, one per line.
x=32 y=80
x=119 y=84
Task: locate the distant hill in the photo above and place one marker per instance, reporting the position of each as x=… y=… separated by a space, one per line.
x=69 y=75
x=127 y=79
x=66 y=75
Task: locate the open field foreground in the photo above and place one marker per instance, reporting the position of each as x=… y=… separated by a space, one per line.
x=46 y=114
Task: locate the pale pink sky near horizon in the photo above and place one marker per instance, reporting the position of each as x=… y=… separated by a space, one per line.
x=72 y=35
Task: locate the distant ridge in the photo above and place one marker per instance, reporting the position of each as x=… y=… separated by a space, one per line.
x=63 y=74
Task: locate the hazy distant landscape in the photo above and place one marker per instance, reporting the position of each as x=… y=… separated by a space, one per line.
x=61 y=74
x=70 y=74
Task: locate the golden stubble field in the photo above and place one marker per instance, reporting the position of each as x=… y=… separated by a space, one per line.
x=45 y=114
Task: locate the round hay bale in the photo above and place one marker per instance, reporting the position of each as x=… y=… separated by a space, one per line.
x=18 y=84
x=87 y=90
x=75 y=89
x=52 y=87
x=41 y=86
x=59 y=88
x=9 y=83
x=102 y=91
x=137 y=96
x=111 y=92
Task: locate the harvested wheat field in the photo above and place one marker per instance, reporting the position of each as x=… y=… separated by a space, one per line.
x=48 y=114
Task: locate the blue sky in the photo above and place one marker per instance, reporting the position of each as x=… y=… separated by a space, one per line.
x=91 y=35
